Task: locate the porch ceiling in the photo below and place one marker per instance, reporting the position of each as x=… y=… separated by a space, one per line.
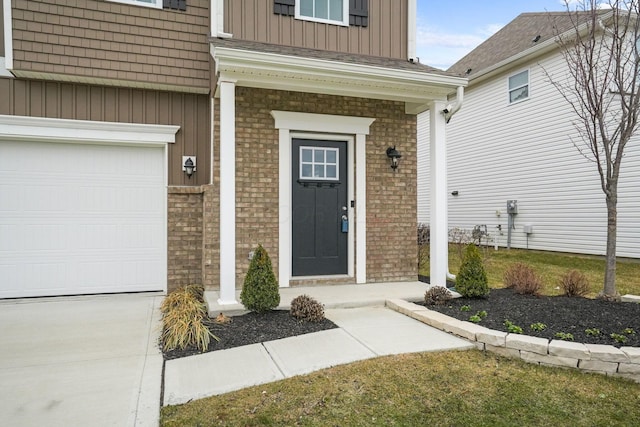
x=306 y=70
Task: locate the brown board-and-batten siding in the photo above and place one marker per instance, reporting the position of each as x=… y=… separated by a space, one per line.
x=100 y=103
x=385 y=32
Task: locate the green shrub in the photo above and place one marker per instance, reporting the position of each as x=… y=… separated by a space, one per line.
x=471 y=280
x=304 y=307
x=260 y=288
x=437 y=295
x=183 y=314
x=523 y=279
x=574 y=284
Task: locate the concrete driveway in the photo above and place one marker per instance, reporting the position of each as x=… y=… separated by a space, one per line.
x=80 y=361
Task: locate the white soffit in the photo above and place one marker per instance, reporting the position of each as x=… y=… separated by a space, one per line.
x=282 y=72
x=84 y=131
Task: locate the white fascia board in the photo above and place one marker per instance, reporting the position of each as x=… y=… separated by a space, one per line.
x=268 y=70
x=84 y=131
x=8 y=35
x=320 y=66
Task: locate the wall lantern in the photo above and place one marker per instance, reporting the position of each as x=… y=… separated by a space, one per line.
x=394 y=155
x=189 y=165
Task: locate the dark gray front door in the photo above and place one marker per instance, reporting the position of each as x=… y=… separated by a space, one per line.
x=319 y=195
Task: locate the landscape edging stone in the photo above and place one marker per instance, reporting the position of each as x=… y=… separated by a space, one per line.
x=609 y=360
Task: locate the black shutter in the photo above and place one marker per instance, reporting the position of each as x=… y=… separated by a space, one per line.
x=284 y=7
x=359 y=13
x=174 y=4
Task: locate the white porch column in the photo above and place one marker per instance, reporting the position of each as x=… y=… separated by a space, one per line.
x=284 y=208
x=439 y=248
x=361 y=199
x=227 y=166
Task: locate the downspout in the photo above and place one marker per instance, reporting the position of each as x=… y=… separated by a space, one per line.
x=448 y=113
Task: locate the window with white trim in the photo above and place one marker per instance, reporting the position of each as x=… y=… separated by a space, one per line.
x=519 y=87
x=149 y=3
x=318 y=163
x=328 y=11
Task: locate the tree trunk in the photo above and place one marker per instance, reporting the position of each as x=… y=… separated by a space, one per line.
x=609 y=291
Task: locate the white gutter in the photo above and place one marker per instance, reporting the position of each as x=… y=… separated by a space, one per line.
x=448 y=113
x=8 y=38
x=217 y=19
x=450 y=110
x=412 y=13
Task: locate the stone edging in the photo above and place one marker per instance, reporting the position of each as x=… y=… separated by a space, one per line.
x=603 y=359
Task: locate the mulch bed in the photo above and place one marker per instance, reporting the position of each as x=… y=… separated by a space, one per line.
x=559 y=314
x=252 y=328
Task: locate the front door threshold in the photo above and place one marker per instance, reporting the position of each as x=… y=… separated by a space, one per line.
x=339 y=279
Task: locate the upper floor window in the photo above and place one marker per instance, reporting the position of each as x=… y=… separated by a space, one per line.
x=336 y=12
x=519 y=87
x=329 y=11
x=150 y=3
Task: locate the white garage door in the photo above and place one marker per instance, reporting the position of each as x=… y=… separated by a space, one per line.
x=81 y=219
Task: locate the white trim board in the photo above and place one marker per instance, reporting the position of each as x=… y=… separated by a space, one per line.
x=290 y=125
x=84 y=131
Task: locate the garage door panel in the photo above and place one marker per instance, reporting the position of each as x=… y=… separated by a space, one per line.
x=81 y=219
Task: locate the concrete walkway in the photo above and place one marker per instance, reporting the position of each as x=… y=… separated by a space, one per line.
x=363 y=333
x=80 y=361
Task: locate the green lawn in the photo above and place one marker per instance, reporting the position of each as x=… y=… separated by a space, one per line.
x=551 y=266
x=468 y=388
x=450 y=388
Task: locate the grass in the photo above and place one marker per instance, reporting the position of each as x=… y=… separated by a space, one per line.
x=551 y=266
x=452 y=388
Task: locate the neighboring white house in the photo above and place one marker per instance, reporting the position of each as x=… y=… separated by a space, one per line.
x=513 y=140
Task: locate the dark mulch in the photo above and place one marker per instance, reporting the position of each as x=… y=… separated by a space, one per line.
x=253 y=328
x=559 y=313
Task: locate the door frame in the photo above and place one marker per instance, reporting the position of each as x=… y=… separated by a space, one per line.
x=324 y=126
x=350 y=140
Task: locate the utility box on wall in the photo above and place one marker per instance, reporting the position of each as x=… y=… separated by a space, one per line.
x=512 y=206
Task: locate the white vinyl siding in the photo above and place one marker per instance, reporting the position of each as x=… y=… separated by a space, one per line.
x=497 y=153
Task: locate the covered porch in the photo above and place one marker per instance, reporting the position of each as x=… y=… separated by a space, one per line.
x=243 y=64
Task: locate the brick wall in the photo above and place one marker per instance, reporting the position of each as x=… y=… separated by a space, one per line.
x=184 y=246
x=391 y=197
x=211 y=236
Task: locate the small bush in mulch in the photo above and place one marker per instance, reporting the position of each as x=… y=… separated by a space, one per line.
x=523 y=279
x=304 y=307
x=471 y=280
x=183 y=315
x=437 y=295
x=574 y=284
x=260 y=291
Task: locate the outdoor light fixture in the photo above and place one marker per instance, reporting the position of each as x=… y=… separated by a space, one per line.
x=189 y=165
x=394 y=155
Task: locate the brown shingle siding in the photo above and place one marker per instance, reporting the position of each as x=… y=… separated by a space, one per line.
x=106 y=39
